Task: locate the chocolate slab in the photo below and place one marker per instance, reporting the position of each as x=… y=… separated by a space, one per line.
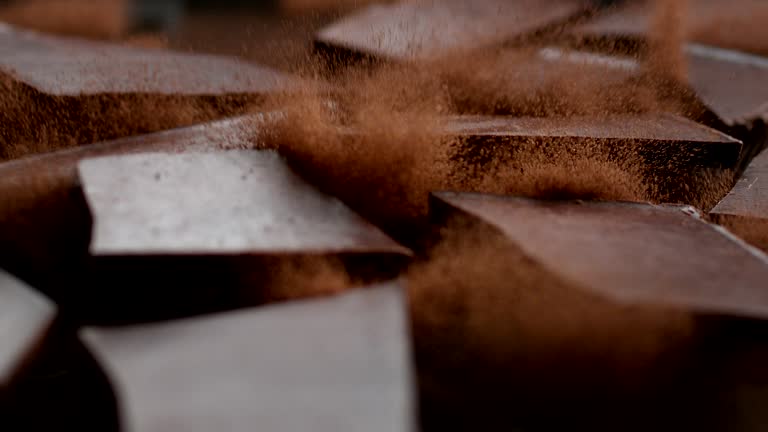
x=334 y=364
x=25 y=318
x=656 y=127
x=420 y=30
x=232 y=202
x=674 y=151
x=629 y=253
x=626 y=24
x=745 y=209
x=44 y=220
x=59 y=66
x=175 y=235
x=65 y=92
x=728 y=82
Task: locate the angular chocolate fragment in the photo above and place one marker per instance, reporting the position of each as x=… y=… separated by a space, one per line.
x=629 y=253
x=674 y=150
x=422 y=30
x=335 y=364
x=729 y=83
x=44 y=221
x=239 y=221
x=216 y=203
x=76 y=68
x=611 y=311
x=627 y=25
x=745 y=209
x=651 y=127
x=61 y=92
x=25 y=318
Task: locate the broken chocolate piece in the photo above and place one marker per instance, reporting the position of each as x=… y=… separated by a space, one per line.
x=729 y=83
x=674 y=150
x=44 y=229
x=422 y=30
x=336 y=364
x=628 y=253
x=626 y=25
x=200 y=232
x=745 y=209
x=216 y=203
x=76 y=67
x=62 y=92
x=25 y=318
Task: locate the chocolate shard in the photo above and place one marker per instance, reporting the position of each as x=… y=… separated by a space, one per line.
x=627 y=25
x=25 y=319
x=673 y=149
x=60 y=66
x=422 y=30
x=44 y=221
x=63 y=92
x=179 y=224
x=216 y=203
x=745 y=209
x=649 y=127
x=628 y=253
x=728 y=82
x=336 y=364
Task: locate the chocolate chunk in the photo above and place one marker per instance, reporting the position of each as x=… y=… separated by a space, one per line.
x=336 y=364
x=197 y=232
x=422 y=30
x=745 y=209
x=629 y=253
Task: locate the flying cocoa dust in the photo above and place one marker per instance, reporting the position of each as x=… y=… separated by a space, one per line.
x=488 y=319
x=667 y=37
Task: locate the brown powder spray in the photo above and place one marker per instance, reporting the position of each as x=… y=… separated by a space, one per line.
x=667 y=37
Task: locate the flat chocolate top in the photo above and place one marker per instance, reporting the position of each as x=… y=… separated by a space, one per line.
x=25 y=317
x=424 y=29
x=730 y=83
x=749 y=197
x=632 y=253
x=71 y=67
x=652 y=126
x=227 y=202
x=335 y=364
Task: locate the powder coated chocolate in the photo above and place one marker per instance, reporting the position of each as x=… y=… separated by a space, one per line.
x=58 y=66
x=749 y=198
x=630 y=253
x=730 y=83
